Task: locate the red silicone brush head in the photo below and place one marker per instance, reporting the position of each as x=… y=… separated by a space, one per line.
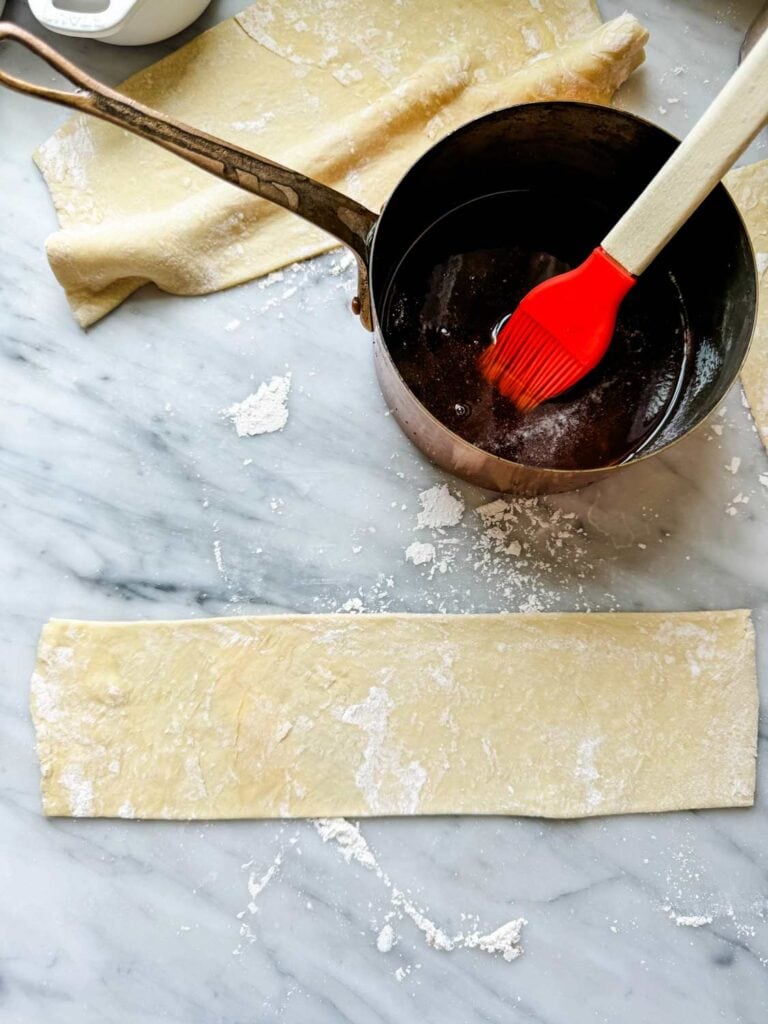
x=558 y=333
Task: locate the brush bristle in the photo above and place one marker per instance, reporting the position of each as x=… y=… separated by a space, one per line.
x=527 y=363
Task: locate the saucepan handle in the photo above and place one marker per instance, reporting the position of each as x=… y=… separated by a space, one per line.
x=347 y=220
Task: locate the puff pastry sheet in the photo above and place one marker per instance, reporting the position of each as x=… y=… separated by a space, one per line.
x=559 y=715
x=351 y=92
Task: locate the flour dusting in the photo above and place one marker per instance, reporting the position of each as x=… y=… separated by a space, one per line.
x=257 y=885
x=436 y=937
x=258 y=124
x=504 y=941
x=46 y=695
x=528 y=548
x=79 y=791
x=66 y=156
x=126 y=810
x=439 y=508
x=691 y=920
x=419 y=553
x=585 y=769
x=385 y=939
x=380 y=768
x=263 y=412
x=217 y=555
x=347 y=75
x=695 y=896
x=349 y=840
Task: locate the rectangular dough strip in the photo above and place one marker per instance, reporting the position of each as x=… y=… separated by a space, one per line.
x=558 y=715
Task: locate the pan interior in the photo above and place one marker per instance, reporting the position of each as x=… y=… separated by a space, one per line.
x=469 y=270
x=522 y=195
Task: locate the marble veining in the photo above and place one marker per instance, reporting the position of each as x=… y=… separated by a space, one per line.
x=126 y=494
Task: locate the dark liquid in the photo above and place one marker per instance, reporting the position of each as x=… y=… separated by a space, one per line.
x=468 y=271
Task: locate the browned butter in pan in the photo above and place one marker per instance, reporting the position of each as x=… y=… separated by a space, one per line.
x=470 y=269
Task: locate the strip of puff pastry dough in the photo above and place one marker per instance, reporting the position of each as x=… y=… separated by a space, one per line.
x=559 y=715
x=348 y=91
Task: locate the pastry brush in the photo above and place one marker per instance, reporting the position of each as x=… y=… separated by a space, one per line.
x=563 y=327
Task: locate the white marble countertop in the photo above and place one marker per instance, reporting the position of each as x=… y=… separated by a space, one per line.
x=124 y=494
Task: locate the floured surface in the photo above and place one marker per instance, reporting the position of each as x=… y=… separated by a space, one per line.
x=107 y=518
x=325 y=716
x=349 y=92
x=749 y=187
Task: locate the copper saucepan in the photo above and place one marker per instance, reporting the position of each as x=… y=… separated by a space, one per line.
x=585 y=153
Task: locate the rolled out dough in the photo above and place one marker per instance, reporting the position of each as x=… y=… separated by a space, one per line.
x=749 y=187
x=349 y=91
x=560 y=715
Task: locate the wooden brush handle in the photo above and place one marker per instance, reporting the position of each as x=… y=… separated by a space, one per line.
x=696 y=166
x=344 y=218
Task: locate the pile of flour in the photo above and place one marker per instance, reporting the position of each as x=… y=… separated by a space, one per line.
x=264 y=411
